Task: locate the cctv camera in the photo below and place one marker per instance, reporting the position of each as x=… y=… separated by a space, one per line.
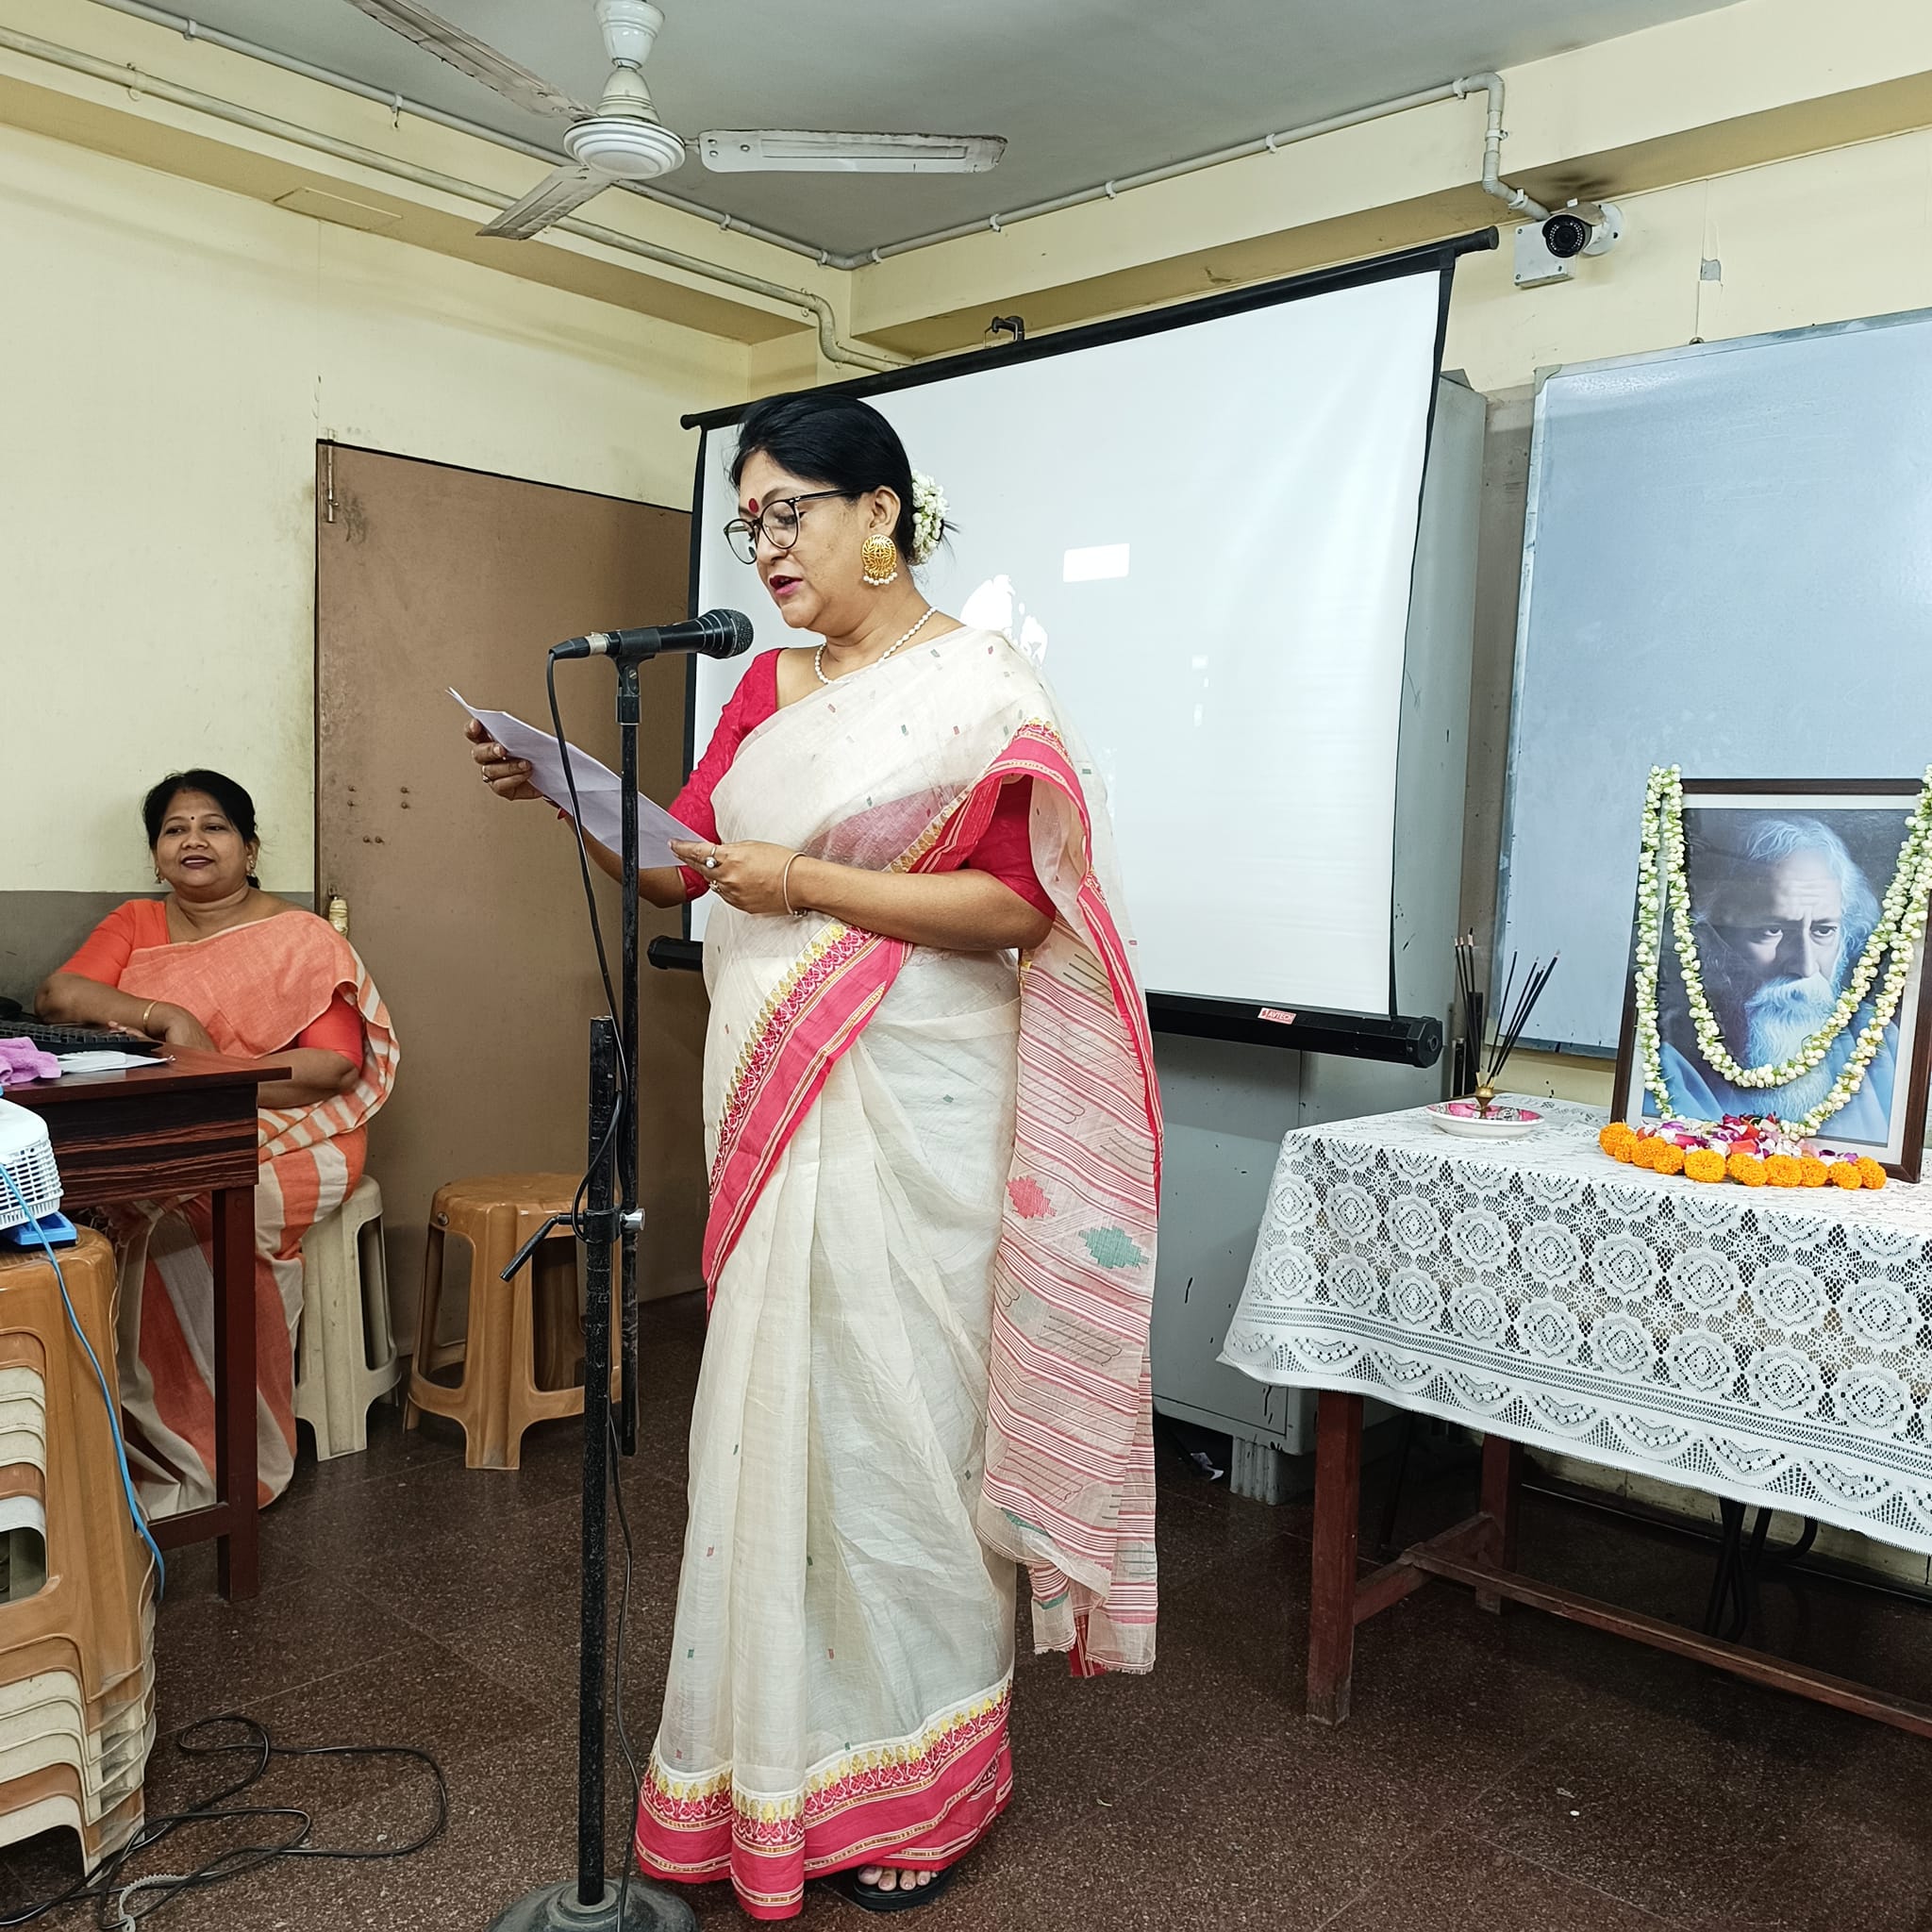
x=1582 y=227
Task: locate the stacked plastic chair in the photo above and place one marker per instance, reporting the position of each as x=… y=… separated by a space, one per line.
x=77 y=1616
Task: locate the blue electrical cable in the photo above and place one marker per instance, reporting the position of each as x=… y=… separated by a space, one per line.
x=127 y=1489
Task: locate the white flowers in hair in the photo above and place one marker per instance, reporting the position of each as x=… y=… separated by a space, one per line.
x=928 y=516
x=1663 y=879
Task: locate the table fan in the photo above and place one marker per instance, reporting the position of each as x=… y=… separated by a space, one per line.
x=31 y=1206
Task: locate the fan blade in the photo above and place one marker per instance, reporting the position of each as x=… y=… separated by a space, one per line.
x=468 y=55
x=552 y=197
x=808 y=151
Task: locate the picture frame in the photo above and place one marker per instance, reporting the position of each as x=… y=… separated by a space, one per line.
x=1780 y=871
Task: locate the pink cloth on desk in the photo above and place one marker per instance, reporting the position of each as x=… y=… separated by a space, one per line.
x=21 y=1060
x=1004 y=850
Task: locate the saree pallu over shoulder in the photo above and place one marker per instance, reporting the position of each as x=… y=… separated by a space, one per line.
x=1067 y=1486
x=255 y=988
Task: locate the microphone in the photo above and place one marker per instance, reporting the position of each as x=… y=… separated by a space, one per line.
x=716 y=634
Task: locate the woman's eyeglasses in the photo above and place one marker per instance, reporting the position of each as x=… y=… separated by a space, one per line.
x=777 y=523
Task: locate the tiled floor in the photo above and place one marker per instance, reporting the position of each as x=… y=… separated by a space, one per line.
x=1512 y=1774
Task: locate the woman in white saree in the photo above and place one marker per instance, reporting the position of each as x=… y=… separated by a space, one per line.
x=934 y=1171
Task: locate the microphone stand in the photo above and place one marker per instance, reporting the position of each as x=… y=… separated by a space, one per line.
x=628 y=714
x=591 y=1902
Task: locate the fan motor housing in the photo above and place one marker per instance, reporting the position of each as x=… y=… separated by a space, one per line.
x=626 y=150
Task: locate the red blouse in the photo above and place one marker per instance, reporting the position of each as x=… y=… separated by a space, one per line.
x=140 y=924
x=1004 y=850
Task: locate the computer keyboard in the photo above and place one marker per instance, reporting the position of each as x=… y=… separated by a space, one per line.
x=59 y=1039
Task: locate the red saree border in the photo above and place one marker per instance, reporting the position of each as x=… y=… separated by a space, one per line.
x=915 y=1804
x=814 y=1015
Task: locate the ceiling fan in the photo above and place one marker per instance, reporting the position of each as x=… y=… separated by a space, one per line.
x=621 y=139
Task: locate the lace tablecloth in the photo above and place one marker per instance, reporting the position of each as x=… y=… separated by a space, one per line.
x=1774 y=1346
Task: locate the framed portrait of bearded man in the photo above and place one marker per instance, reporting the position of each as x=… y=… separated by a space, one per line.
x=1805 y=993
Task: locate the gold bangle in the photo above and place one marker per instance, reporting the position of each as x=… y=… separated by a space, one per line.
x=784 y=887
x=148 y=1014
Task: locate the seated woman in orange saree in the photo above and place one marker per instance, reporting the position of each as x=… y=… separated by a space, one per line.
x=221 y=965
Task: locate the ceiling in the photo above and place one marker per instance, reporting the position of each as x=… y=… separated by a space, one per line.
x=1084 y=89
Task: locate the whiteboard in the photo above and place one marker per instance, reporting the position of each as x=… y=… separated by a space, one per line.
x=1203 y=535
x=1727 y=566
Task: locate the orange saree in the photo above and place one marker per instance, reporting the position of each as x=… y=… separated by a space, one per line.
x=253 y=989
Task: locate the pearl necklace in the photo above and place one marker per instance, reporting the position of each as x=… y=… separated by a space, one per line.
x=818 y=657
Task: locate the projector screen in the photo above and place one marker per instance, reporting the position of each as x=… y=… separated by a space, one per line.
x=1201 y=526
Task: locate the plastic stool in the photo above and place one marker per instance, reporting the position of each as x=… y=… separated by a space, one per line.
x=514 y=1326
x=344 y=1305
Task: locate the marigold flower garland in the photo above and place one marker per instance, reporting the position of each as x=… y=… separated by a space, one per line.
x=1753 y=1150
x=1902 y=912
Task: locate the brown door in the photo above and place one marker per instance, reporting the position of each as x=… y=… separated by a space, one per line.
x=469 y=912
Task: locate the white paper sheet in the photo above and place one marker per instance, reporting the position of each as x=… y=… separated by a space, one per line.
x=106 y=1060
x=599 y=788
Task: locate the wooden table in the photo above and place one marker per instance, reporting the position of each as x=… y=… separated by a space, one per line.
x=1480 y=1552
x=186 y=1125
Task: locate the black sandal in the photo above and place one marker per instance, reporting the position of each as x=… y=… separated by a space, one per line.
x=872 y=1898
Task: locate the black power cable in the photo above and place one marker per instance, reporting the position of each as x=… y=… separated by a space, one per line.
x=576 y=826
x=122 y=1902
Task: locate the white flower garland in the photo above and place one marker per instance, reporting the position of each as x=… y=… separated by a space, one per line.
x=928 y=516
x=1901 y=921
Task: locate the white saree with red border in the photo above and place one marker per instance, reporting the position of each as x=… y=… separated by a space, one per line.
x=934 y=1180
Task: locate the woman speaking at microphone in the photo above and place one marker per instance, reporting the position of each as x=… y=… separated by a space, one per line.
x=934 y=1144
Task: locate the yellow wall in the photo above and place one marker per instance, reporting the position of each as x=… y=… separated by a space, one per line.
x=178 y=349
x=173 y=354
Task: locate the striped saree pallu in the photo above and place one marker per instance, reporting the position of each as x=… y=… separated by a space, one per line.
x=253 y=987
x=931 y=1256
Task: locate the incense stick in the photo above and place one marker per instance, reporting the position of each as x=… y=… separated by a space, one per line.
x=1513 y=1010
x=1467 y=1070
x=1515 y=1018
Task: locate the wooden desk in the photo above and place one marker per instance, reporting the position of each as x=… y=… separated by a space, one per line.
x=186 y=1125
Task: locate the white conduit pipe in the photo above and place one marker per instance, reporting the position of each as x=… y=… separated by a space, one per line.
x=1512 y=198
x=1268 y=143
x=400 y=104
x=831 y=345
